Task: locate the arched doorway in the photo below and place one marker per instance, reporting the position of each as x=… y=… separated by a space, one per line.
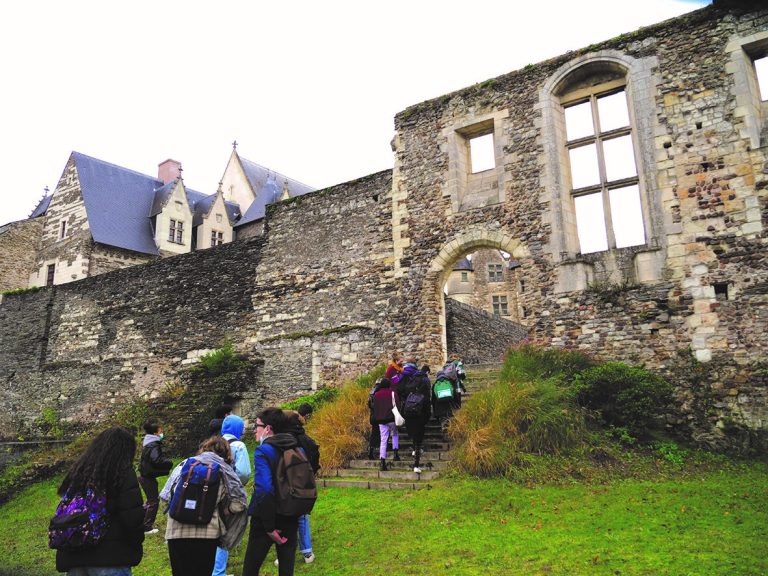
x=470 y=240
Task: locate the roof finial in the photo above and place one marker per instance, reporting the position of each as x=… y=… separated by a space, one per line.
x=221 y=185
x=180 y=171
x=234 y=145
x=46 y=190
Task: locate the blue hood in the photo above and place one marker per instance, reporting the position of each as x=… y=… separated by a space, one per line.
x=233 y=425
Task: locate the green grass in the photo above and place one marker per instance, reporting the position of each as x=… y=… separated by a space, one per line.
x=711 y=523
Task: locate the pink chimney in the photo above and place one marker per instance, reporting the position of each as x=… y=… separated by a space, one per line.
x=168 y=170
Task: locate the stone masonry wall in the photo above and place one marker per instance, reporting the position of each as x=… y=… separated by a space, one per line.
x=698 y=286
x=108 y=258
x=325 y=294
x=477 y=336
x=87 y=347
x=18 y=242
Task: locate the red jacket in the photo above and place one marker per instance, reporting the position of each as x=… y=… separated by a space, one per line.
x=382 y=406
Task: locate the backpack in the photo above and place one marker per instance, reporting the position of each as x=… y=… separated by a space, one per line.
x=196 y=493
x=413 y=404
x=443 y=389
x=80 y=520
x=295 y=488
x=450 y=372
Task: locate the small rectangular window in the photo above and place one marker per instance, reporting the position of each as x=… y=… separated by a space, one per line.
x=51 y=274
x=495 y=273
x=217 y=238
x=465 y=277
x=482 y=155
x=172 y=231
x=500 y=306
x=761 y=70
x=180 y=232
x=63 y=229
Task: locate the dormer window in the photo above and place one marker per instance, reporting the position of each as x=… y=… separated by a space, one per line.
x=176 y=232
x=217 y=238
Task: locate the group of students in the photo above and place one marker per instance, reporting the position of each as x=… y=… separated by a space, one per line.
x=406 y=392
x=101 y=521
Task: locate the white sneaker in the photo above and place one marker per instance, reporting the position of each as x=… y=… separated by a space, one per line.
x=309 y=558
x=153 y=531
x=417 y=469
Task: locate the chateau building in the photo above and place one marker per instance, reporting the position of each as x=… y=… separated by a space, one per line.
x=102 y=217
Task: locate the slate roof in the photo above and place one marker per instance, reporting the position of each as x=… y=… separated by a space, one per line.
x=268 y=186
x=120 y=203
x=463 y=264
x=42 y=206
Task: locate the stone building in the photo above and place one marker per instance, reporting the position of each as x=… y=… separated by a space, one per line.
x=486 y=280
x=629 y=180
x=102 y=217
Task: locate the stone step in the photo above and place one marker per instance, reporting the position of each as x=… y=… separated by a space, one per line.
x=371 y=484
x=404 y=464
x=397 y=474
x=406 y=446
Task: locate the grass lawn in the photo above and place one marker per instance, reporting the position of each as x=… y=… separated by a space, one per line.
x=711 y=523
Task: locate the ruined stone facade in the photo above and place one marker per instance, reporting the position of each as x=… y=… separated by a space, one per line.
x=342 y=276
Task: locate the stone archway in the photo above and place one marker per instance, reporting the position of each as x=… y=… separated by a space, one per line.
x=471 y=239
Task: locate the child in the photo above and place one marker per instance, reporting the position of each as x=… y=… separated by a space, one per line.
x=151 y=466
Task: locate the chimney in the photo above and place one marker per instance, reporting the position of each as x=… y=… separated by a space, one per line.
x=169 y=170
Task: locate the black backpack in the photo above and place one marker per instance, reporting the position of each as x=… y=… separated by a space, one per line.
x=196 y=493
x=414 y=404
x=295 y=488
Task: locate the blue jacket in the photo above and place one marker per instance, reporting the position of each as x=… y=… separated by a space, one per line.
x=231 y=431
x=263 y=504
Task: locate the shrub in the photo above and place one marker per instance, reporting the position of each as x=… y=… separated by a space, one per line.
x=625 y=396
x=528 y=362
x=220 y=361
x=341 y=427
x=502 y=424
x=316 y=399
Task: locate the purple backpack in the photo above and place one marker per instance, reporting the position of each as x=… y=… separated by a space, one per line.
x=80 y=521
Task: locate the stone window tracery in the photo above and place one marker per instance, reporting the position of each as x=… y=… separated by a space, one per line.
x=217 y=238
x=495 y=273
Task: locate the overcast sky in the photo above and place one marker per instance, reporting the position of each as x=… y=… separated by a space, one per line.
x=309 y=89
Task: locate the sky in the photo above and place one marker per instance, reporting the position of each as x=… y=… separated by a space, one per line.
x=308 y=89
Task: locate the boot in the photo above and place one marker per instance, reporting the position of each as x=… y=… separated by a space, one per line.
x=397 y=456
x=370 y=452
x=382 y=465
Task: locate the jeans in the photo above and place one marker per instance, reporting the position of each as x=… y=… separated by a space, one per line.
x=385 y=430
x=305 y=540
x=220 y=567
x=103 y=571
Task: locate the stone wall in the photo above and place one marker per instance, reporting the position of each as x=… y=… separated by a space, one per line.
x=702 y=173
x=87 y=347
x=108 y=258
x=18 y=242
x=325 y=294
x=477 y=336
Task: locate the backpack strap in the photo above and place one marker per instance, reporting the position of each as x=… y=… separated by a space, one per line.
x=184 y=485
x=205 y=490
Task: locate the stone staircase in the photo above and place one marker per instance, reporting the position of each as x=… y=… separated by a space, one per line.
x=364 y=473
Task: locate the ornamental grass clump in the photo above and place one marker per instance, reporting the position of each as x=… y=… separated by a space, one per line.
x=341 y=426
x=499 y=426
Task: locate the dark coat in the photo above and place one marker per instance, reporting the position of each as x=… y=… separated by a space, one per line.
x=382 y=406
x=153 y=463
x=310 y=447
x=122 y=544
